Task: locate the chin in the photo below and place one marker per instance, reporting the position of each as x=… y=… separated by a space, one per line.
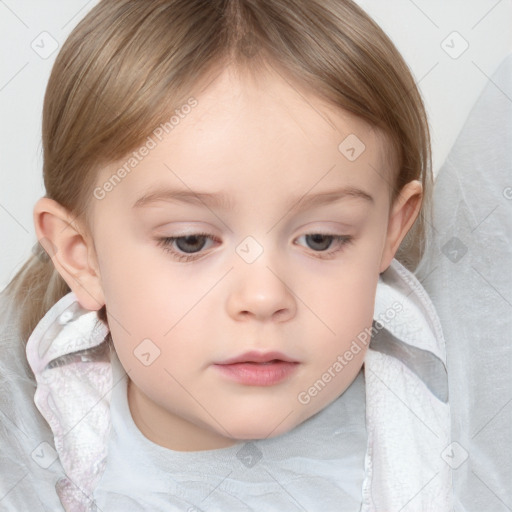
x=256 y=428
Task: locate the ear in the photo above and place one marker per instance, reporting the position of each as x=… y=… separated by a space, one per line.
x=71 y=251
x=402 y=215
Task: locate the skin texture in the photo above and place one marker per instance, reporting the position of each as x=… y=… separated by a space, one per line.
x=266 y=144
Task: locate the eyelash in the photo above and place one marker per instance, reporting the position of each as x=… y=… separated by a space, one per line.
x=166 y=244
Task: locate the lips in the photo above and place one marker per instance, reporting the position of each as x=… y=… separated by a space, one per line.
x=258 y=368
x=258 y=357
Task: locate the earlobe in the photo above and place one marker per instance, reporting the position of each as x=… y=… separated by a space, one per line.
x=402 y=216
x=71 y=252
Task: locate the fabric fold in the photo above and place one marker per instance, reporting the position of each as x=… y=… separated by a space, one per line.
x=73 y=395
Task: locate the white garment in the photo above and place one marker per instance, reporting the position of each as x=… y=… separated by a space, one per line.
x=468 y=275
x=407 y=414
x=318 y=464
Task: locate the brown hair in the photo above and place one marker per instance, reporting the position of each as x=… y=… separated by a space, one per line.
x=128 y=63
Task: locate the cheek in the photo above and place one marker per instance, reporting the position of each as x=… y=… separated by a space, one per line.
x=345 y=297
x=345 y=304
x=136 y=291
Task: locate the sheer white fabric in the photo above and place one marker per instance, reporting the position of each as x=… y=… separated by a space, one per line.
x=468 y=275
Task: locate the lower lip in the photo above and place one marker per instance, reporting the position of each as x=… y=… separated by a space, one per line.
x=258 y=374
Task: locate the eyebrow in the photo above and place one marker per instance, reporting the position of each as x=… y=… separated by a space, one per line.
x=223 y=201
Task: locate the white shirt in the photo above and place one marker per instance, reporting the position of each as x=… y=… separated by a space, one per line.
x=319 y=465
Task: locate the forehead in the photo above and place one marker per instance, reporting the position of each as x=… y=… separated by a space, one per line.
x=262 y=132
x=273 y=102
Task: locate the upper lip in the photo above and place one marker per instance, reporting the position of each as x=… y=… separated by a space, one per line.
x=254 y=356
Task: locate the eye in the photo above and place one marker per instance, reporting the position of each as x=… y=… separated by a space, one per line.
x=320 y=242
x=188 y=245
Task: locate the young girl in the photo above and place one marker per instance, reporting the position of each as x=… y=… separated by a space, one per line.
x=230 y=186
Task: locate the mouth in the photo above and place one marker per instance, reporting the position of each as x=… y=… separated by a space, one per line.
x=264 y=363
x=258 y=369
x=258 y=357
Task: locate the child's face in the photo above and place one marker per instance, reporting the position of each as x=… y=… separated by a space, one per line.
x=260 y=281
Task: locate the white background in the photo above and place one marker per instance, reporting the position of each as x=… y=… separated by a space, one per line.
x=449 y=85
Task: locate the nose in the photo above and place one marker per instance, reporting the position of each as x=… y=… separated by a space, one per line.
x=261 y=292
